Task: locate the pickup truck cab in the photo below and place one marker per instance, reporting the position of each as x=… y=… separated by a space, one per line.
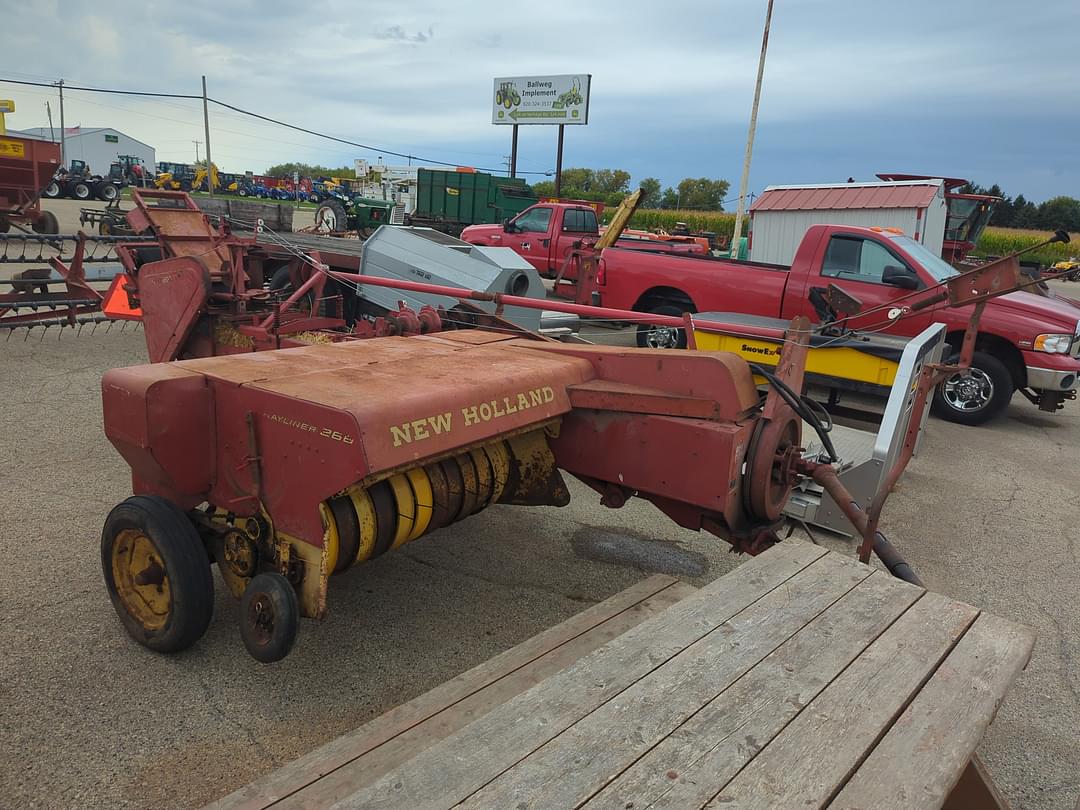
x=1026 y=342
x=547 y=234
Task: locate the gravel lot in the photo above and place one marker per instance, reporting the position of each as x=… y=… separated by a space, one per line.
x=92 y=720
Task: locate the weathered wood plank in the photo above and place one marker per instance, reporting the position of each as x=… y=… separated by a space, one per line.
x=573 y=766
x=608 y=618
x=921 y=757
x=464 y=762
x=381 y=760
x=687 y=767
x=824 y=744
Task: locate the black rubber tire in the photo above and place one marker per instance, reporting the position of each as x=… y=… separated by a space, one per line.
x=185 y=184
x=81 y=191
x=46 y=223
x=271 y=590
x=644 y=330
x=107 y=192
x=186 y=564
x=1000 y=378
x=52 y=191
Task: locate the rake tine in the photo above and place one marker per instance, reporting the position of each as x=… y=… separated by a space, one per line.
x=110 y=327
x=28 y=330
x=92 y=331
x=78 y=334
x=9 y=331
x=43 y=331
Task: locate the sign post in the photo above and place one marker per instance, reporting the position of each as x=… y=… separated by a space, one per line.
x=513 y=151
x=561 y=100
x=8 y=106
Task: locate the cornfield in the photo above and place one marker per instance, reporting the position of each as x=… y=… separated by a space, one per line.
x=1001 y=241
x=720 y=222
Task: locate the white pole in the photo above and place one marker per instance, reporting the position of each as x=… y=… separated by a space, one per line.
x=750 y=136
x=63 y=139
x=206 y=124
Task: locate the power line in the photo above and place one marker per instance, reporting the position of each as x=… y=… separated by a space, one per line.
x=350 y=143
x=102 y=90
x=251 y=114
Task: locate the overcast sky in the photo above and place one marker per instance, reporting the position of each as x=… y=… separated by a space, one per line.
x=982 y=89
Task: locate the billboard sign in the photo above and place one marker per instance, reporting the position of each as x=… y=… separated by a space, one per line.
x=541 y=99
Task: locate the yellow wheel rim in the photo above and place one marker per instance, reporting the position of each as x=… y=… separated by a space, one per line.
x=331 y=538
x=406 y=508
x=141 y=580
x=365 y=511
x=421 y=488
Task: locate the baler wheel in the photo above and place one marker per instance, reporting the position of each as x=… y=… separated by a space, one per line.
x=269 y=617
x=157 y=573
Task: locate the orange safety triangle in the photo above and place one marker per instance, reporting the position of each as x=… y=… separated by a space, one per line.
x=117 y=305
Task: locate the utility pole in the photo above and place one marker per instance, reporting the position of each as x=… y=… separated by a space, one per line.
x=197 y=145
x=750 y=135
x=63 y=144
x=206 y=124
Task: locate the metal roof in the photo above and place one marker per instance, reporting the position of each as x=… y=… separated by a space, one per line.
x=838 y=196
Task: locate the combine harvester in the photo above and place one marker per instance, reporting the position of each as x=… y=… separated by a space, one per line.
x=286 y=467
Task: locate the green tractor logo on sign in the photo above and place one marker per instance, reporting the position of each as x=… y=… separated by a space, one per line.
x=507 y=96
x=572 y=96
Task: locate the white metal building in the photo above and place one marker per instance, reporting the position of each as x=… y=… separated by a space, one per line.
x=780 y=217
x=98 y=146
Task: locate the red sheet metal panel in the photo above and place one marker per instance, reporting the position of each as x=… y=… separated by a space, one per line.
x=812 y=198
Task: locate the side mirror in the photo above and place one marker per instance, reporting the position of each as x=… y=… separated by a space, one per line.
x=901 y=277
x=508 y=226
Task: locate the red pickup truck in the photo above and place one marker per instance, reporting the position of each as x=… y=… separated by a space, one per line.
x=1026 y=342
x=548 y=233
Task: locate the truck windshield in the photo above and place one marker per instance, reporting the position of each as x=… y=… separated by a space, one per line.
x=934 y=265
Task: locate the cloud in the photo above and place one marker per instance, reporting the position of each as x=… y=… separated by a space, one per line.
x=949 y=87
x=396 y=33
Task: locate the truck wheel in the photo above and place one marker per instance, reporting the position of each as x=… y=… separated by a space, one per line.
x=185 y=184
x=157 y=573
x=651 y=336
x=80 y=191
x=107 y=192
x=331 y=217
x=269 y=617
x=975 y=395
x=52 y=191
x=46 y=223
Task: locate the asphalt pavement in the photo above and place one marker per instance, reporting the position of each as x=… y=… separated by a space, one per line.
x=92 y=720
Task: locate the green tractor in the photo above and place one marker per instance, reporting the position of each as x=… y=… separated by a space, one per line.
x=507 y=95
x=571 y=97
x=340 y=214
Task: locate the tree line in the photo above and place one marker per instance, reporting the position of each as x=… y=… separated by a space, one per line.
x=310 y=170
x=610 y=186
x=1019 y=212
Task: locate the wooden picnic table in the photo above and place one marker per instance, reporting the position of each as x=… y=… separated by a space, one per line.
x=803 y=678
